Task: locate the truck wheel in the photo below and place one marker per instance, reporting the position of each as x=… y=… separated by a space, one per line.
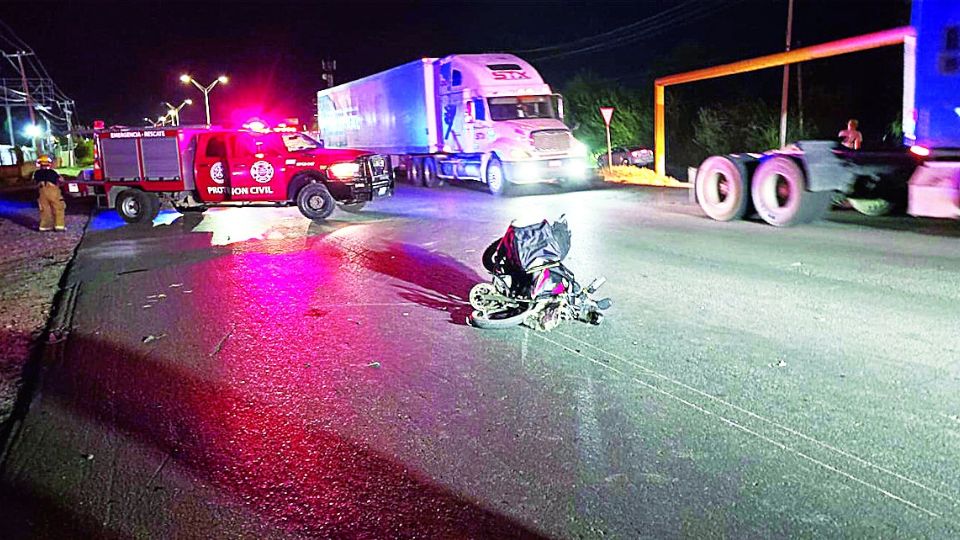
x=497 y=182
x=353 y=208
x=871 y=207
x=722 y=189
x=415 y=172
x=155 y=205
x=315 y=201
x=430 y=178
x=780 y=194
x=135 y=206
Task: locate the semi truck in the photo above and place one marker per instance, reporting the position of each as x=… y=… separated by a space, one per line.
x=484 y=117
x=798 y=184
x=136 y=170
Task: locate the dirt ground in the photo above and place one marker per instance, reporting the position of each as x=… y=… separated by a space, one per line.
x=31 y=264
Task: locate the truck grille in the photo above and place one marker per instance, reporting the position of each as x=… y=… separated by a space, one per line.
x=377 y=165
x=553 y=140
x=378 y=172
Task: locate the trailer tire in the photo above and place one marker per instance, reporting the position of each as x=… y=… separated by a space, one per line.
x=430 y=177
x=779 y=193
x=497 y=182
x=415 y=172
x=722 y=189
x=872 y=207
x=135 y=206
x=315 y=201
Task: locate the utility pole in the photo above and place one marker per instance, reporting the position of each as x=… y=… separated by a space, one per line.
x=786 y=79
x=13 y=142
x=328 y=67
x=68 y=112
x=26 y=89
x=800 y=97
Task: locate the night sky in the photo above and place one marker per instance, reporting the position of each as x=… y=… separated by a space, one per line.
x=119 y=61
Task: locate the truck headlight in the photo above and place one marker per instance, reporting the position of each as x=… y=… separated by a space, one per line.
x=517 y=153
x=577 y=148
x=344 y=171
x=576 y=168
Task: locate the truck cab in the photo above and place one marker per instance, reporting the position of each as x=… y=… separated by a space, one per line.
x=496 y=108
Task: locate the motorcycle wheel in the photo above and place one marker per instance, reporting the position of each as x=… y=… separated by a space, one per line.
x=501 y=319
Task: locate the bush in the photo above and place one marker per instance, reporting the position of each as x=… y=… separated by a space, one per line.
x=83 y=152
x=747 y=126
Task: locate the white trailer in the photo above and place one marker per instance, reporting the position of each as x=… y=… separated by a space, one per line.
x=484 y=117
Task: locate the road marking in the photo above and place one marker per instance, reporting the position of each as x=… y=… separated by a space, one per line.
x=774 y=423
x=747 y=430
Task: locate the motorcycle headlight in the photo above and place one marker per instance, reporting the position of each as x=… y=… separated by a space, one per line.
x=344 y=171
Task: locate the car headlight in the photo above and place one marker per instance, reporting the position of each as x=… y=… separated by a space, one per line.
x=344 y=171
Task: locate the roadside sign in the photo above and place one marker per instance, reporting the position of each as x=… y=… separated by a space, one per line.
x=607 y=113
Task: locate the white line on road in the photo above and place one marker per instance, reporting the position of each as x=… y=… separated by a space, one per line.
x=747 y=430
x=774 y=423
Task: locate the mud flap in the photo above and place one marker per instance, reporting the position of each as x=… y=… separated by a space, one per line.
x=934 y=190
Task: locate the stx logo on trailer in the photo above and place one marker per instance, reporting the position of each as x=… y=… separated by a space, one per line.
x=510 y=75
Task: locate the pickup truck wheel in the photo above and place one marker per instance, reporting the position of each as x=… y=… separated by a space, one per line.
x=315 y=201
x=430 y=178
x=722 y=189
x=780 y=194
x=871 y=207
x=155 y=205
x=497 y=182
x=135 y=206
x=353 y=208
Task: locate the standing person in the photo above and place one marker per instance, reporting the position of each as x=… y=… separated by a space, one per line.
x=50 y=198
x=852 y=138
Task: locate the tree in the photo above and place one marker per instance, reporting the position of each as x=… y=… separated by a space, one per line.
x=632 y=123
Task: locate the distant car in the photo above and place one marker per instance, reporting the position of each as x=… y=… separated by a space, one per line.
x=634 y=155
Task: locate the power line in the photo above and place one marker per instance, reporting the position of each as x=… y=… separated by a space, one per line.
x=653 y=28
x=608 y=33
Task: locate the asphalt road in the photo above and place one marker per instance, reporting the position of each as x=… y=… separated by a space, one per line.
x=250 y=374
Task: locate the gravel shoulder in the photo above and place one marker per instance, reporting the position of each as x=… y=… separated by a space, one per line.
x=31 y=264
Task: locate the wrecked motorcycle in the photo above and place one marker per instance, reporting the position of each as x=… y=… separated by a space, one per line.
x=530 y=283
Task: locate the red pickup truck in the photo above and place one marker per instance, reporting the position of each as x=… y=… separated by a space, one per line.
x=138 y=170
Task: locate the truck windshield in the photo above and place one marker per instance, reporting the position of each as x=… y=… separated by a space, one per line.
x=297 y=142
x=513 y=108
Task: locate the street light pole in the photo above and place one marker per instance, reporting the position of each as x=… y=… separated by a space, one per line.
x=174 y=112
x=205 y=89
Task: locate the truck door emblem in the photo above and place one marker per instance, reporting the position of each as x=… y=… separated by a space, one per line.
x=262 y=171
x=216 y=172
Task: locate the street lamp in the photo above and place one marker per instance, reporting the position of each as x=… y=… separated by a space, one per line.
x=33 y=131
x=186 y=79
x=174 y=112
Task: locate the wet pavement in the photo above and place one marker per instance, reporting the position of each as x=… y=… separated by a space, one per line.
x=247 y=373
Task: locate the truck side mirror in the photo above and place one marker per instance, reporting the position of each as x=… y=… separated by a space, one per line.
x=558 y=105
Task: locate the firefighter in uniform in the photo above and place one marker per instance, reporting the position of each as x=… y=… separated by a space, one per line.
x=50 y=198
